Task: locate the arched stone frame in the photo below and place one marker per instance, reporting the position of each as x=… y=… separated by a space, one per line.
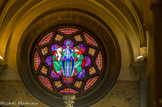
x=128 y=38
x=119 y=32
x=111 y=51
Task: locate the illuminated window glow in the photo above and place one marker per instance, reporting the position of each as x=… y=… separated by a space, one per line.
x=68 y=31
x=46 y=39
x=67 y=62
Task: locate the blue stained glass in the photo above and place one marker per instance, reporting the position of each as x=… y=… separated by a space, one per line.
x=68 y=60
x=54 y=47
x=88 y=61
x=81 y=46
x=54 y=74
x=49 y=60
x=81 y=74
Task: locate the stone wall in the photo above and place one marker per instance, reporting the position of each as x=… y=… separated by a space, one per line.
x=124 y=94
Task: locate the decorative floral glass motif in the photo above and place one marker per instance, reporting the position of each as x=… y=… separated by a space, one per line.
x=68 y=63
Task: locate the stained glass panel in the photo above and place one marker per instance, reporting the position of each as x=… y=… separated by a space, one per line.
x=78 y=38
x=54 y=74
x=78 y=84
x=54 y=47
x=44 y=50
x=49 y=60
x=82 y=48
x=46 y=82
x=46 y=39
x=58 y=84
x=58 y=37
x=68 y=31
x=92 y=70
x=91 y=51
x=99 y=61
x=68 y=91
x=44 y=70
x=87 y=61
x=68 y=42
x=37 y=60
x=81 y=74
x=90 y=40
x=90 y=82
x=68 y=60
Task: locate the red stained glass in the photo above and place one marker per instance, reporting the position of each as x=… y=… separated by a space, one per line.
x=46 y=39
x=37 y=60
x=68 y=31
x=46 y=82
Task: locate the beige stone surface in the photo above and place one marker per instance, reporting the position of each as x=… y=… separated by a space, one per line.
x=15 y=92
x=124 y=94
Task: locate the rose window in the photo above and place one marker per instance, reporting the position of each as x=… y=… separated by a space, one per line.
x=67 y=61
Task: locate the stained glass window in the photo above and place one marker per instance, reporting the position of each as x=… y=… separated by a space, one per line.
x=78 y=38
x=58 y=37
x=78 y=84
x=91 y=51
x=68 y=91
x=46 y=82
x=68 y=31
x=44 y=50
x=37 y=60
x=90 y=82
x=99 y=61
x=90 y=40
x=92 y=70
x=69 y=62
x=46 y=39
x=44 y=70
x=58 y=84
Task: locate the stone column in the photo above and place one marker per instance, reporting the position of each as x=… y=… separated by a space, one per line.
x=154 y=67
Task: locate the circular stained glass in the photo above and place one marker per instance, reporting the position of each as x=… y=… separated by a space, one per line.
x=60 y=55
x=67 y=60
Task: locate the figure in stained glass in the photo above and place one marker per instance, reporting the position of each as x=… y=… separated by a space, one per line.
x=57 y=63
x=78 y=58
x=68 y=62
x=71 y=56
